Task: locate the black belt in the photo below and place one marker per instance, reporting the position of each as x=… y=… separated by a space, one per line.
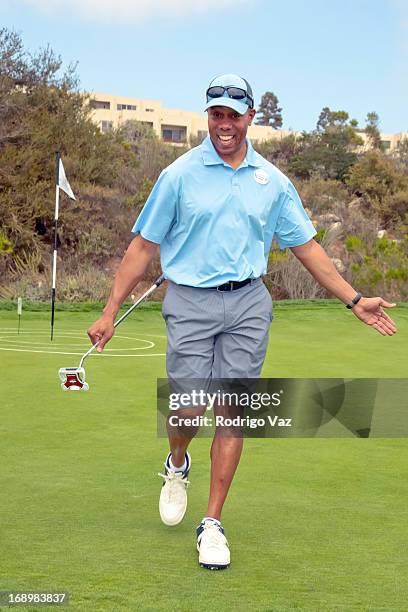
x=232 y=285
x=229 y=286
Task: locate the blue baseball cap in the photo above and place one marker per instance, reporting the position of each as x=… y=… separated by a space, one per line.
x=231 y=80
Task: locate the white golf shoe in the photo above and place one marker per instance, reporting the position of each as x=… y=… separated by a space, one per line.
x=212 y=546
x=173 y=494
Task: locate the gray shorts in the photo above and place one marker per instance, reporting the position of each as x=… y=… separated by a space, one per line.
x=213 y=334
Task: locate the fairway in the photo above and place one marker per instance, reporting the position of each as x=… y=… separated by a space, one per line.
x=313 y=524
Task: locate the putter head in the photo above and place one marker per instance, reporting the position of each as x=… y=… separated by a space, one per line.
x=73 y=379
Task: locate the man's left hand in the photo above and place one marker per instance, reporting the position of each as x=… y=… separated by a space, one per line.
x=370 y=311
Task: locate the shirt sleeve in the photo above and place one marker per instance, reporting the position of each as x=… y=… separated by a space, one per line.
x=159 y=212
x=293 y=227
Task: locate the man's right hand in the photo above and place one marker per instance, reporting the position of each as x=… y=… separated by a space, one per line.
x=101 y=331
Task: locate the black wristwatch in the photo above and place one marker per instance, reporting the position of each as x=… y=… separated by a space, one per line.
x=354 y=301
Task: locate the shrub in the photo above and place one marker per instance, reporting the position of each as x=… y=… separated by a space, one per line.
x=354 y=244
x=323 y=195
x=384 y=187
x=278 y=151
x=88 y=284
x=394 y=208
x=6 y=245
x=379 y=268
x=288 y=279
x=320 y=235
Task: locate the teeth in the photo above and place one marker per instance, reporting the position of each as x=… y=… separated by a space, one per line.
x=225 y=138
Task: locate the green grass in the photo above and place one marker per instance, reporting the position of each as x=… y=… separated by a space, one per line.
x=313 y=524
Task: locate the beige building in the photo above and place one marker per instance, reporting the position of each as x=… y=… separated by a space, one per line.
x=171 y=125
x=179 y=126
x=390 y=141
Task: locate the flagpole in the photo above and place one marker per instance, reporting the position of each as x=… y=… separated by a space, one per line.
x=54 y=256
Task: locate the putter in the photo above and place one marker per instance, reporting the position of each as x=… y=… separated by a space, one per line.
x=73 y=378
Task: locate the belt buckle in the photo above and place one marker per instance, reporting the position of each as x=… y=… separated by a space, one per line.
x=224 y=287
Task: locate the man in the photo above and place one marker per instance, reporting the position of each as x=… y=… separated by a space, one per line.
x=214 y=212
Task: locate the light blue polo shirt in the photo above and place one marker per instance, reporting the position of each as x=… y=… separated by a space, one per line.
x=215 y=224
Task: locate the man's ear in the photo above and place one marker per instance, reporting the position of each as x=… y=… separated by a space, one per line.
x=251 y=115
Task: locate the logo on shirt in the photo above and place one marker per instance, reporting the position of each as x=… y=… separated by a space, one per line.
x=261 y=177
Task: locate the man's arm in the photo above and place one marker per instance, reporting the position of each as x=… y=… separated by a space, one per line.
x=369 y=310
x=131 y=270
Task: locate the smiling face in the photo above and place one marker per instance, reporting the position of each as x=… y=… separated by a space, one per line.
x=228 y=131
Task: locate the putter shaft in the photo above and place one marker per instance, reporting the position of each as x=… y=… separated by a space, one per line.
x=157 y=283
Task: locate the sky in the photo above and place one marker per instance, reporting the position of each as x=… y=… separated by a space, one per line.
x=350 y=55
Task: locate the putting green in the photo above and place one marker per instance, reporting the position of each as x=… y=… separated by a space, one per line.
x=313 y=524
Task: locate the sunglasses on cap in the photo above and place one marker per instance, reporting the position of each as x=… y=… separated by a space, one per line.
x=235 y=93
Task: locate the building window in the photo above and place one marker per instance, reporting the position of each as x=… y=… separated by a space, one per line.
x=174 y=133
x=149 y=110
x=131 y=107
x=386 y=144
x=100 y=104
x=106 y=126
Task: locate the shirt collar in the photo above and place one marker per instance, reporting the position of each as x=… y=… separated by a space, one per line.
x=211 y=157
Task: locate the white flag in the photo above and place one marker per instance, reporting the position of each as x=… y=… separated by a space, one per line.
x=63 y=183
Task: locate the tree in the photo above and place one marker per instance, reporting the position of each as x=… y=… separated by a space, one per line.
x=375 y=176
x=269 y=111
x=325 y=156
x=329 y=151
x=372 y=130
x=331 y=119
x=326 y=153
x=151 y=153
x=400 y=155
x=279 y=151
x=135 y=132
x=41 y=111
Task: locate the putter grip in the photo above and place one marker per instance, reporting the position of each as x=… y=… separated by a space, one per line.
x=160 y=280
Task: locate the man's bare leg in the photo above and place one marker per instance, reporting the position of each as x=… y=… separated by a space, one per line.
x=178 y=448
x=179 y=442
x=225 y=456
